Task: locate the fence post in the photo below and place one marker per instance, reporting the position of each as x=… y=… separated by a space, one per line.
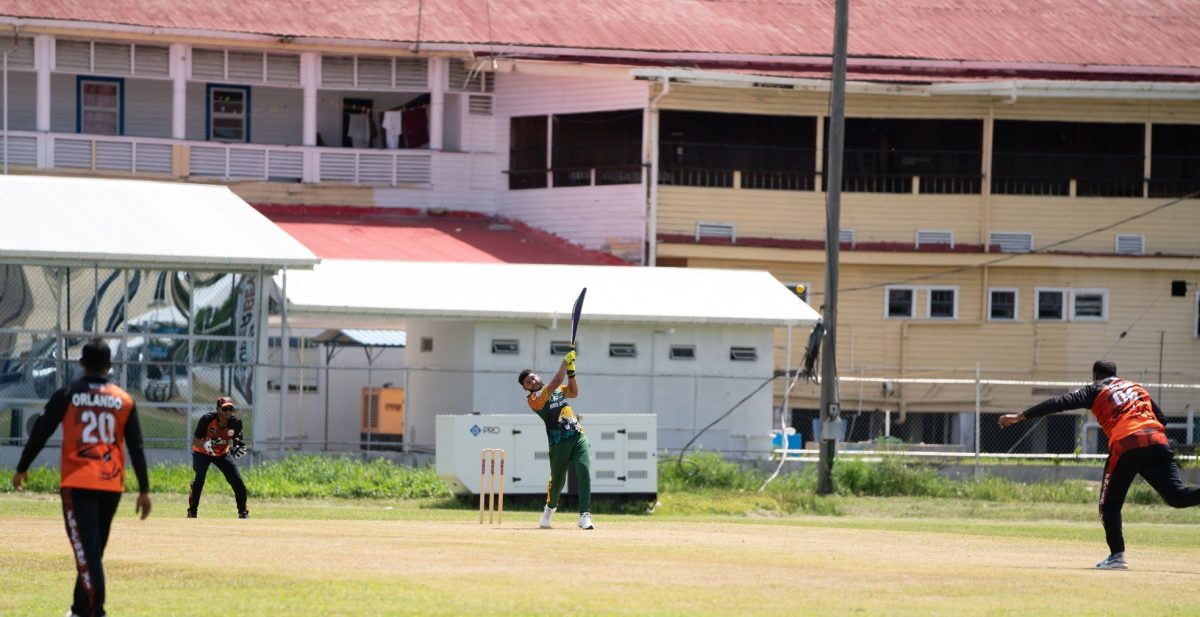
x=978 y=417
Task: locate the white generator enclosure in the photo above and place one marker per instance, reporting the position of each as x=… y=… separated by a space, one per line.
x=624 y=452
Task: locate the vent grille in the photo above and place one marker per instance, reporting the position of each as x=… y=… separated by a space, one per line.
x=638 y=435
x=639 y=455
x=606 y=455
x=607 y=436
x=1130 y=244
x=846 y=236
x=1012 y=241
x=940 y=237
x=541 y=456
x=478 y=105
x=639 y=474
x=725 y=231
x=606 y=475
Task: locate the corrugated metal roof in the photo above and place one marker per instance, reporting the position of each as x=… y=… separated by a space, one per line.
x=1132 y=33
x=376 y=234
x=487 y=291
x=87 y=220
x=364 y=338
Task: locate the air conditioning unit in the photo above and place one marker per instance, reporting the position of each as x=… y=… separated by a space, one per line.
x=382 y=424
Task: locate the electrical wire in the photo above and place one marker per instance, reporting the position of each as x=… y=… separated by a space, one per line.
x=691 y=441
x=1012 y=256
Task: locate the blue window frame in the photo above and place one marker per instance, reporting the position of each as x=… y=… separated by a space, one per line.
x=99 y=105
x=227 y=113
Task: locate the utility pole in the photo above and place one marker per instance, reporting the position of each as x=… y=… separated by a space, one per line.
x=831 y=424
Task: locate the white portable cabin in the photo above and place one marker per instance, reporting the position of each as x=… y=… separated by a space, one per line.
x=472 y=327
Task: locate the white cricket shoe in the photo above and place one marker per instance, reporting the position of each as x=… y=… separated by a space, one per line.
x=585 y=520
x=547 y=512
x=1116 y=561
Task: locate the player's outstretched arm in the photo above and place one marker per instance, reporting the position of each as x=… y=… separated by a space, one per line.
x=562 y=372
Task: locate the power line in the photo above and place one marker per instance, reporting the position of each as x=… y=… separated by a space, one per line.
x=1012 y=256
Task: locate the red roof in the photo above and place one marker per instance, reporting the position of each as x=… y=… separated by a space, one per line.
x=406 y=235
x=1124 y=33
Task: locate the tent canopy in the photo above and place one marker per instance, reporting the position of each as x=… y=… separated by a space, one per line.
x=363 y=338
x=481 y=291
x=77 y=221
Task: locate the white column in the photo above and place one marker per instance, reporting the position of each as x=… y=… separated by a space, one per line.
x=179 y=79
x=437 y=102
x=310 y=76
x=43 y=62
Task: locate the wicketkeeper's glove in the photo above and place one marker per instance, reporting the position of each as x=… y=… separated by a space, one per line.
x=569 y=360
x=208 y=447
x=238 y=449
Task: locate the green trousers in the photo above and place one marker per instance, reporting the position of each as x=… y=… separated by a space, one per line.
x=575 y=450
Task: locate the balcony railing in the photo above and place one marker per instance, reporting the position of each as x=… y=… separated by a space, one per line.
x=712 y=165
x=583 y=165
x=224 y=161
x=1085 y=175
x=1174 y=176
x=896 y=171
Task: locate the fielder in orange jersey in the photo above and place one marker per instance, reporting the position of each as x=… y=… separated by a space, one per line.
x=1137 y=444
x=218 y=441
x=100 y=425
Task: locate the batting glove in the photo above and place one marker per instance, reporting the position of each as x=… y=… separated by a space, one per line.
x=208 y=447
x=569 y=360
x=238 y=449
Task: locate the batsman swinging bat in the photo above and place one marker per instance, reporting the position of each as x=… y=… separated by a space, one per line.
x=575 y=312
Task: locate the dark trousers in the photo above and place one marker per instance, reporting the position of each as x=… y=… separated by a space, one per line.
x=88 y=516
x=200 y=463
x=1156 y=464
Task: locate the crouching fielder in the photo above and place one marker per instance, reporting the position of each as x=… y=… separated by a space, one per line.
x=568 y=444
x=218 y=441
x=1137 y=444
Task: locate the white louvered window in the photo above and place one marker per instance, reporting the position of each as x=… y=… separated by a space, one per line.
x=724 y=231
x=374 y=72
x=208 y=63
x=743 y=354
x=252 y=67
x=283 y=69
x=337 y=71
x=151 y=60
x=479 y=105
x=846 y=236
x=1131 y=244
x=1089 y=304
x=73 y=56
x=1011 y=241
x=926 y=237
x=412 y=74
x=21 y=57
x=100 y=106
x=244 y=66
x=470 y=79
x=112 y=58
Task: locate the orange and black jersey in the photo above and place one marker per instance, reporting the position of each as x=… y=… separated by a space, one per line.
x=1122 y=407
x=100 y=423
x=209 y=428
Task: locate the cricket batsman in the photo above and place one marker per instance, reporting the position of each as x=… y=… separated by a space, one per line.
x=568 y=444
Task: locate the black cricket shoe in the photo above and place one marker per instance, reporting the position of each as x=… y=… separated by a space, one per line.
x=245 y=514
x=191 y=514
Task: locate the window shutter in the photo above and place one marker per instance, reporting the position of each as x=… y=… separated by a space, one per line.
x=412 y=74
x=374 y=72
x=283 y=69
x=337 y=71
x=463 y=79
x=151 y=60
x=113 y=58
x=1012 y=241
x=208 y=63
x=22 y=56
x=245 y=66
x=73 y=56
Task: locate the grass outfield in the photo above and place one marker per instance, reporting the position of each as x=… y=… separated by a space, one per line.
x=893 y=556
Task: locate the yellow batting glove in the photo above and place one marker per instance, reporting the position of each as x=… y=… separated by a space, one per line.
x=569 y=360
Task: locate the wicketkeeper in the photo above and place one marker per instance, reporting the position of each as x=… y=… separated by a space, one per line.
x=218 y=441
x=568 y=444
